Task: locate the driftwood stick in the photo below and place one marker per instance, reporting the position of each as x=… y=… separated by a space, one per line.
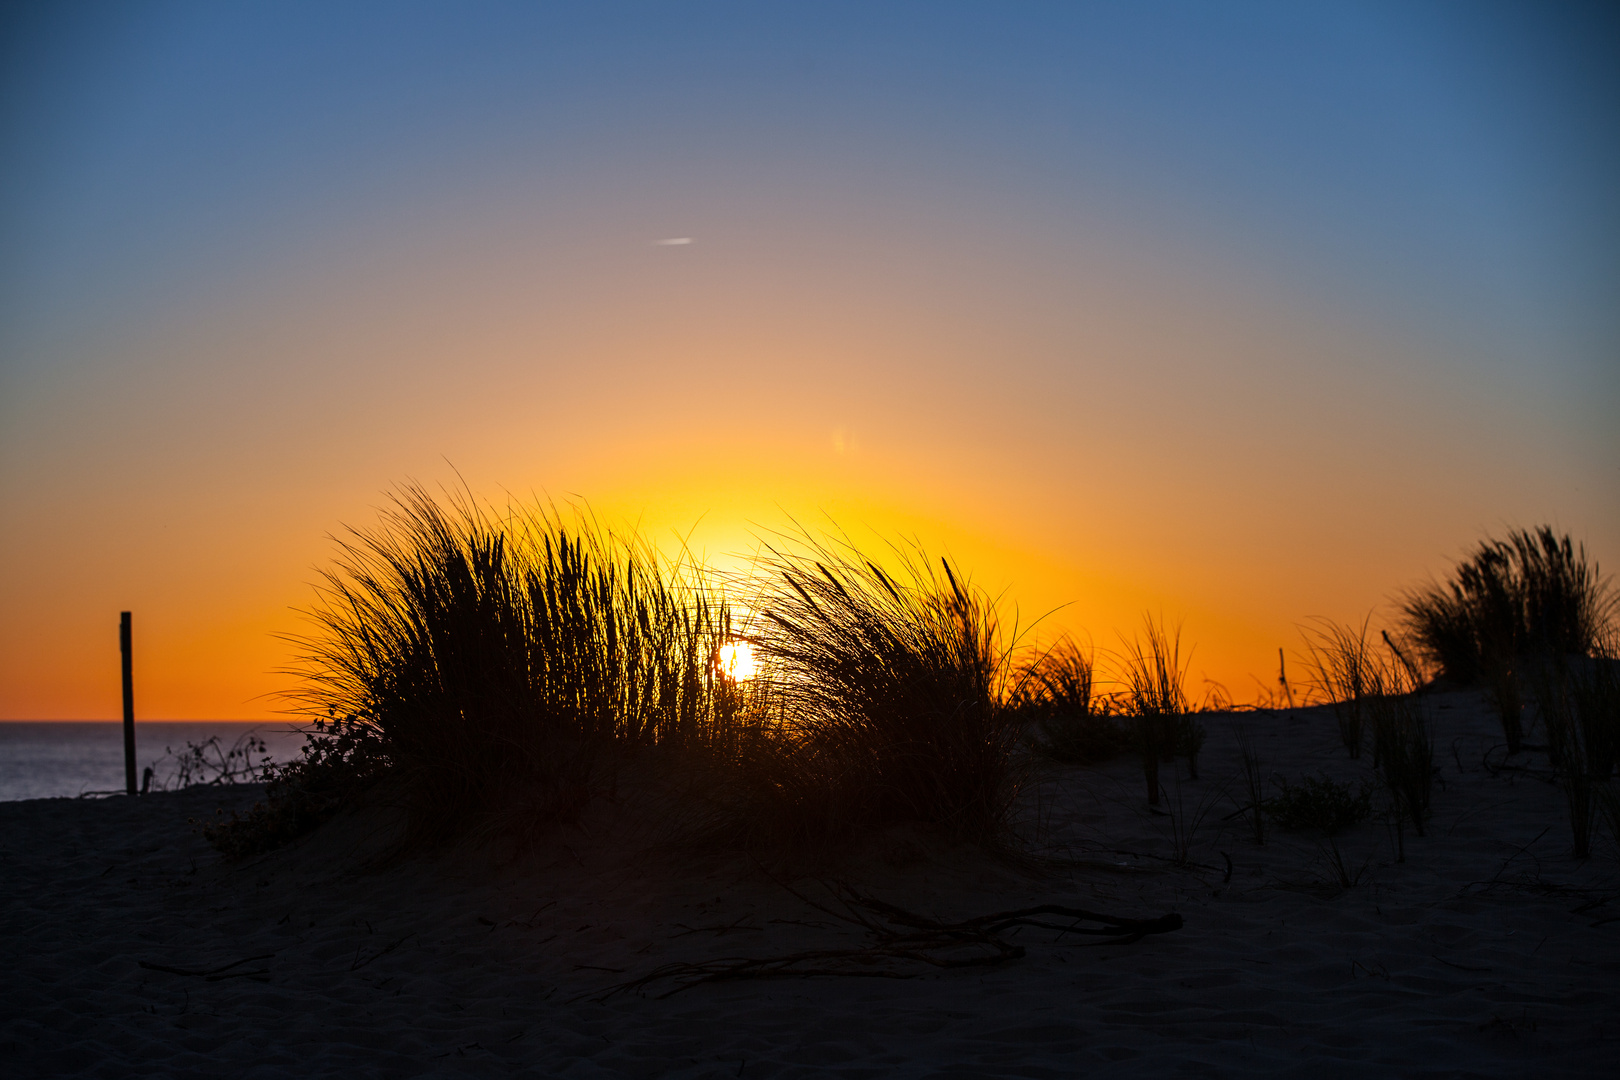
x=901 y=937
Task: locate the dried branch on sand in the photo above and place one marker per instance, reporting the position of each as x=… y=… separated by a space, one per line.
x=901 y=938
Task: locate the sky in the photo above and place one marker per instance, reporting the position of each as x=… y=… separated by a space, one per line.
x=1234 y=314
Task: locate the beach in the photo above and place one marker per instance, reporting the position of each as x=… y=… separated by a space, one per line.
x=133 y=949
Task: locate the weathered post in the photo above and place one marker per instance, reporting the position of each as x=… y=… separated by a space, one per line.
x=129 y=702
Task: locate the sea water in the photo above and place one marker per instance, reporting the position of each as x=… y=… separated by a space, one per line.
x=62 y=758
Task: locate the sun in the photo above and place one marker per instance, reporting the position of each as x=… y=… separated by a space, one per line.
x=736 y=661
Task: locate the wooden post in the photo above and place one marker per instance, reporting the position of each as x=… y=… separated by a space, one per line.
x=129 y=702
x=1282 y=677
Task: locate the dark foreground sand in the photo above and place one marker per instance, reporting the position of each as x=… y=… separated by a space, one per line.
x=1489 y=952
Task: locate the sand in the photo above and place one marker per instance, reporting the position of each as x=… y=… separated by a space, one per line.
x=1488 y=952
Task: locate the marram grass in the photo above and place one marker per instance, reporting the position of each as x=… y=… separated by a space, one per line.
x=501 y=659
x=888 y=702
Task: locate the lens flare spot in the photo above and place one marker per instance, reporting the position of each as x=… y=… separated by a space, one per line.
x=736 y=661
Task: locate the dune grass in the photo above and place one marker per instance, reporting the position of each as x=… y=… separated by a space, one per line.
x=1579 y=704
x=1343 y=663
x=1254 y=781
x=488 y=664
x=1403 y=743
x=1155 y=700
x=495 y=670
x=887 y=698
x=1055 y=698
x=1533 y=593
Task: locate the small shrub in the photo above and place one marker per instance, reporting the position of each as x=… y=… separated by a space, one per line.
x=1319 y=804
x=334 y=770
x=246 y=761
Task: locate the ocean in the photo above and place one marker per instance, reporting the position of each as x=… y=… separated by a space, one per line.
x=56 y=759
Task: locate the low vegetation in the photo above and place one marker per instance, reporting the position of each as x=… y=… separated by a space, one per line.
x=210 y=762
x=1055 y=697
x=339 y=764
x=492 y=672
x=888 y=699
x=1155 y=701
x=1579 y=704
x=1319 y=804
x=1509 y=605
x=489 y=666
x=1344 y=666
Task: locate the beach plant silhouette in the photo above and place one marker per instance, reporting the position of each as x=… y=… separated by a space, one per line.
x=887 y=698
x=1325 y=807
x=245 y=761
x=1578 y=700
x=1343 y=664
x=1533 y=594
x=488 y=664
x=1155 y=700
x=1319 y=803
x=1254 y=783
x=493 y=671
x=1054 y=696
x=1403 y=743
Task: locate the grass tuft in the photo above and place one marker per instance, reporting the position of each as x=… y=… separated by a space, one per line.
x=886 y=698
x=1343 y=665
x=1403 y=744
x=1579 y=704
x=1155 y=700
x=1531 y=594
x=490 y=663
x=1055 y=693
x=1254 y=784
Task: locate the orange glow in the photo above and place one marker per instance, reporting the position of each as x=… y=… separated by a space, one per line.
x=1088 y=453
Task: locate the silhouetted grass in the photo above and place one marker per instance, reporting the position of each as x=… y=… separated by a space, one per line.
x=1155 y=699
x=1403 y=745
x=885 y=700
x=1253 y=781
x=488 y=663
x=1055 y=695
x=1579 y=704
x=1343 y=664
x=1533 y=593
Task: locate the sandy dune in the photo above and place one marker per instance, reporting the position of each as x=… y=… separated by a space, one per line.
x=1489 y=952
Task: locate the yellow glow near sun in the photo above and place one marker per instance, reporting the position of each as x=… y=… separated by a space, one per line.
x=736 y=661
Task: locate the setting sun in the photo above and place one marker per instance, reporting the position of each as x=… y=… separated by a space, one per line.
x=736 y=661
